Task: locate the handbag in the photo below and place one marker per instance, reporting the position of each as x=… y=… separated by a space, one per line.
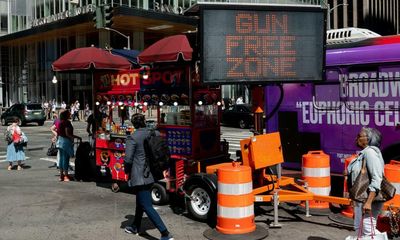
x=389 y=222
x=358 y=192
x=52 y=151
x=387 y=191
x=8 y=136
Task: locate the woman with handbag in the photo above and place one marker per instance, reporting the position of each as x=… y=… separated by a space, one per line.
x=15 y=148
x=369 y=165
x=65 y=141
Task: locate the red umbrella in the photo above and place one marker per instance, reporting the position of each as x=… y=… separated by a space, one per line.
x=167 y=50
x=90 y=57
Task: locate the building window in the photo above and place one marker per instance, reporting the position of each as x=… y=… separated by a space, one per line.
x=3 y=23
x=125 y=3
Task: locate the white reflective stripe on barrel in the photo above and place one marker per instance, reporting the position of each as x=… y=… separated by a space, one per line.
x=316 y=172
x=397 y=186
x=235 y=189
x=235 y=212
x=324 y=191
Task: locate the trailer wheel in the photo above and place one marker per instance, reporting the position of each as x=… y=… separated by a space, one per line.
x=201 y=204
x=159 y=195
x=242 y=124
x=115 y=187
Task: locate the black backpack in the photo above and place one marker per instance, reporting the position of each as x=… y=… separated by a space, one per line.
x=157 y=156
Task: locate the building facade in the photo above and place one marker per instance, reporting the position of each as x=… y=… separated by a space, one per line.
x=40 y=31
x=380 y=16
x=34 y=33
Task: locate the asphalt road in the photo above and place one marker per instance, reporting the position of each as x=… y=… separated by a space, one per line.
x=34 y=205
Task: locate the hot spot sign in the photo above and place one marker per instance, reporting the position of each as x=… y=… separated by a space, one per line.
x=261 y=44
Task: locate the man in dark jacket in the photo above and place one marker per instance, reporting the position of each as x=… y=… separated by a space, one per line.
x=141 y=178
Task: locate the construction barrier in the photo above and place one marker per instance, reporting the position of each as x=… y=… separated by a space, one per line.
x=316 y=172
x=235 y=200
x=392 y=174
x=347 y=210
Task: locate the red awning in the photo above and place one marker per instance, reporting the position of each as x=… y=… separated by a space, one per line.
x=90 y=57
x=167 y=50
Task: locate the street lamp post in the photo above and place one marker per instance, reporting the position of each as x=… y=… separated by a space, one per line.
x=125 y=36
x=330 y=11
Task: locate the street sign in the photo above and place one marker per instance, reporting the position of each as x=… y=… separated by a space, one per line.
x=259 y=44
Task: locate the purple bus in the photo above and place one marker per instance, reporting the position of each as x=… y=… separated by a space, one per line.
x=362 y=88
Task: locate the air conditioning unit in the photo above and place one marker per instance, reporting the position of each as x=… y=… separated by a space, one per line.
x=74 y=2
x=347 y=35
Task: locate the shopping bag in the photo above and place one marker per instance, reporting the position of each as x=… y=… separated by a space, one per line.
x=377 y=236
x=367 y=227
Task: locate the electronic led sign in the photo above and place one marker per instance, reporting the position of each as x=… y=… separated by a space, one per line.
x=262 y=44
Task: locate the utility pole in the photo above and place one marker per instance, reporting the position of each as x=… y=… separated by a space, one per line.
x=125 y=36
x=330 y=11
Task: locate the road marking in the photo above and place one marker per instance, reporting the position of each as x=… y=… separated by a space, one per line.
x=55 y=160
x=3 y=158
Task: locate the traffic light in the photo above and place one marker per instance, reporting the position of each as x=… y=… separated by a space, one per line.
x=108 y=16
x=98 y=18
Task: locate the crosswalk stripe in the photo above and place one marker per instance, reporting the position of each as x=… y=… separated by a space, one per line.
x=234 y=139
x=55 y=160
x=3 y=158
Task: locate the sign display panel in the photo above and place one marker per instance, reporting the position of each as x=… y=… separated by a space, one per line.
x=262 y=44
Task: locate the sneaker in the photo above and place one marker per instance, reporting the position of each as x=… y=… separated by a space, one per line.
x=169 y=237
x=19 y=168
x=131 y=230
x=61 y=178
x=9 y=168
x=66 y=178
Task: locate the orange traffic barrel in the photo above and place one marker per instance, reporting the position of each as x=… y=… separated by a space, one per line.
x=316 y=171
x=235 y=200
x=347 y=210
x=392 y=174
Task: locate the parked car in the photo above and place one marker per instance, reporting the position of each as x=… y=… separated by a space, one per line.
x=238 y=115
x=25 y=112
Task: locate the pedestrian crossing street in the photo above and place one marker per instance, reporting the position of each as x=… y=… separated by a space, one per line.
x=234 y=140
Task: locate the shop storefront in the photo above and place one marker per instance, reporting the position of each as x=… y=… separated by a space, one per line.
x=26 y=55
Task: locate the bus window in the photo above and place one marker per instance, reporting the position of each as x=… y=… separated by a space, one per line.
x=325 y=94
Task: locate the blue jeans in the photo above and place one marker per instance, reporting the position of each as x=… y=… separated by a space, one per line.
x=144 y=204
x=64 y=160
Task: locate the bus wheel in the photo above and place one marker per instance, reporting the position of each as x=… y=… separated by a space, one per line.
x=201 y=204
x=159 y=195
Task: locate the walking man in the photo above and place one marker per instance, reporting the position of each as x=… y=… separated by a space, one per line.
x=141 y=178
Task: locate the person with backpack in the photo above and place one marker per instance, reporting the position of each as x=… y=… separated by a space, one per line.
x=141 y=178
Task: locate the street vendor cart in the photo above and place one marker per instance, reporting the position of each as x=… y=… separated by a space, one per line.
x=186 y=113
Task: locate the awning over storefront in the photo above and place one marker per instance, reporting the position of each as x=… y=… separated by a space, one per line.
x=167 y=50
x=131 y=55
x=90 y=57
